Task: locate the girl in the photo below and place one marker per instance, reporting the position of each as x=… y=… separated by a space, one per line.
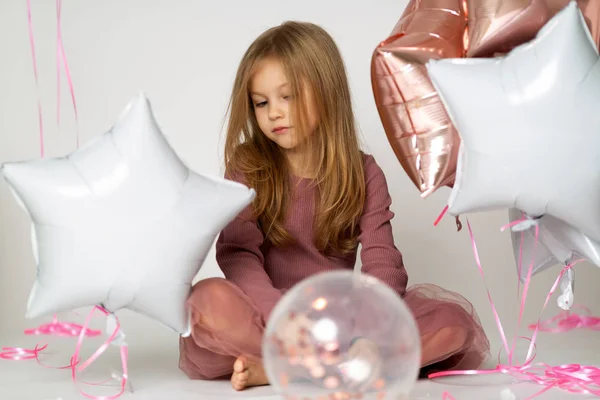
x=291 y=136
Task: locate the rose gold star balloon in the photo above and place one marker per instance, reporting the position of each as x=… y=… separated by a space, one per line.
x=590 y=10
x=497 y=26
x=413 y=116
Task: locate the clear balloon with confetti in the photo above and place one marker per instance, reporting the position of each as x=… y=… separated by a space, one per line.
x=341 y=335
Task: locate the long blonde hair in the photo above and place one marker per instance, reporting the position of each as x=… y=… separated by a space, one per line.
x=312 y=61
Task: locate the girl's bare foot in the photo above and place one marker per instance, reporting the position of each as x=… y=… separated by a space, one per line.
x=247 y=374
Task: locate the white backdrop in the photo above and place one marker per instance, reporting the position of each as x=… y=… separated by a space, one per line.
x=184 y=54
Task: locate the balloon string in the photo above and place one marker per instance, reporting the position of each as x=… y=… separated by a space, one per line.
x=61 y=57
x=75 y=360
x=480 y=269
x=526 y=284
x=35 y=75
x=567 y=321
x=573 y=378
x=442 y=214
x=67 y=329
x=55 y=328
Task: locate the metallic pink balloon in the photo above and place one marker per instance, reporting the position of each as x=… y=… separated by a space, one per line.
x=414 y=118
x=590 y=10
x=497 y=26
x=415 y=121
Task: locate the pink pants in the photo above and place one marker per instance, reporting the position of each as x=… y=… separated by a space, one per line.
x=227 y=324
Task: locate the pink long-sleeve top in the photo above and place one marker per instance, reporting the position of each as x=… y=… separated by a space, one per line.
x=264 y=272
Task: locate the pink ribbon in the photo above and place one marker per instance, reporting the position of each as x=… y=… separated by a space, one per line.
x=568 y=320
x=55 y=328
x=61 y=58
x=35 y=75
x=19 y=353
x=75 y=360
x=441 y=216
x=574 y=378
x=525 y=286
x=67 y=329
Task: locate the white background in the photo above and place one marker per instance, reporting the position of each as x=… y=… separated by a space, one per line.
x=183 y=55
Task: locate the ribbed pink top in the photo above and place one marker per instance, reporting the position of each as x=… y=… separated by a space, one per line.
x=264 y=272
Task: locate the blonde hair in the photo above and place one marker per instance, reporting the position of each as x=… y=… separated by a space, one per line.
x=315 y=69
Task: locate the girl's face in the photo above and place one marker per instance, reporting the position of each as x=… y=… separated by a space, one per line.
x=273 y=100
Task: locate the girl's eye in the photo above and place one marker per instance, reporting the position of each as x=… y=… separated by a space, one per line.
x=289 y=97
x=261 y=104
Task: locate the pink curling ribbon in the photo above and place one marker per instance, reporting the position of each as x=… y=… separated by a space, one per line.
x=35 y=74
x=441 y=216
x=76 y=366
x=527 y=281
x=568 y=320
x=447 y=396
x=57 y=328
x=62 y=58
x=65 y=329
x=574 y=378
x=19 y=353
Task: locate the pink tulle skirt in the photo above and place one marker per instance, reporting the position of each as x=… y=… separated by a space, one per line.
x=227 y=324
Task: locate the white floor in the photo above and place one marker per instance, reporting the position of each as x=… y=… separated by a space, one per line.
x=154 y=374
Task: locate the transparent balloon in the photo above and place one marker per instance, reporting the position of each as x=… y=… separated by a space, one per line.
x=341 y=335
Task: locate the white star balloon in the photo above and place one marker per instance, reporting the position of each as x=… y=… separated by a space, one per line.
x=530 y=126
x=557 y=244
x=122 y=222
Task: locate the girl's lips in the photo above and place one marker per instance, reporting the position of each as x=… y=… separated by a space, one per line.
x=280 y=130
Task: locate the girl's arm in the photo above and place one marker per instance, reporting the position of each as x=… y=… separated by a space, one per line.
x=380 y=257
x=240 y=257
